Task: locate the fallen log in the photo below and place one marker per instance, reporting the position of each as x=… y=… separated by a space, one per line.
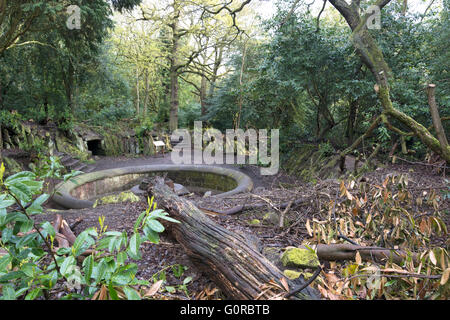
x=232 y=260
x=339 y=252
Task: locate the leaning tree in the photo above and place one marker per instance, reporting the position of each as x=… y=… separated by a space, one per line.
x=371 y=55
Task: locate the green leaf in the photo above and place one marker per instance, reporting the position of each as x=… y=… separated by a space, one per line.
x=8 y=292
x=170 y=289
x=88 y=265
x=131 y=293
x=48 y=228
x=4 y=262
x=134 y=245
x=155 y=225
x=139 y=220
x=7 y=234
x=187 y=280
x=33 y=294
x=121 y=258
x=112 y=292
x=82 y=242
x=6 y=203
x=66 y=267
x=16 y=216
x=170 y=219
x=11 y=276
x=28 y=269
x=21 y=176
x=99 y=271
x=63 y=251
x=21 y=191
x=125 y=274
x=26 y=226
x=24 y=241
x=38 y=202
x=151 y=235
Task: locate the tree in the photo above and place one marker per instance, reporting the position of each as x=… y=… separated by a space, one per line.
x=191 y=26
x=372 y=56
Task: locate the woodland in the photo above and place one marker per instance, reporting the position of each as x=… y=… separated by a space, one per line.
x=358 y=89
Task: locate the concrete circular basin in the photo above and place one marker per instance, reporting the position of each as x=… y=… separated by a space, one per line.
x=81 y=191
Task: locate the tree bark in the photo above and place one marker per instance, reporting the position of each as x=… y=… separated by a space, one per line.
x=232 y=260
x=435 y=116
x=203 y=95
x=174 y=85
x=138 y=100
x=147 y=92
x=218 y=56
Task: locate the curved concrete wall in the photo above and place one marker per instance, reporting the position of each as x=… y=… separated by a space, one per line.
x=77 y=193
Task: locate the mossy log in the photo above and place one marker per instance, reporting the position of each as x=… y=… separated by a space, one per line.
x=340 y=252
x=231 y=260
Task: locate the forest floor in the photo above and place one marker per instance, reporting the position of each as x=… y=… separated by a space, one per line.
x=263 y=223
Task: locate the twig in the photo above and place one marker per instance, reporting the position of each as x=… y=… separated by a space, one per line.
x=307 y=283
x=423 y=163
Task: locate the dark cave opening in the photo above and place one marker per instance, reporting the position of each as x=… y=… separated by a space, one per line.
x=95 y=146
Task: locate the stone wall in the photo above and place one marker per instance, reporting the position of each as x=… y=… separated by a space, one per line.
x=82 y=142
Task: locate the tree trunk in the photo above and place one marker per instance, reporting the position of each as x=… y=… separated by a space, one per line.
x=147 y=92
x=218 y=56
x=203 y=95
x=230 y=259
x=435 y=116
x=174 y=85
x=138 y=100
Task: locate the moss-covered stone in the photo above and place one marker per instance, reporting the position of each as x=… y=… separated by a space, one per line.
x=125 y=196
x=302 y=258
x=11 y=166
x=292 y=274
x=65 y=145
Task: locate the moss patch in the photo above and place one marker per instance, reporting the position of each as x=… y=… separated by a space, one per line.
x=292 y=274
x=118 y=198
x=302 y=258
x=65 y=145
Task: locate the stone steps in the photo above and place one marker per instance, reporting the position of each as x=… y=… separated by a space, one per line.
x=71 y=163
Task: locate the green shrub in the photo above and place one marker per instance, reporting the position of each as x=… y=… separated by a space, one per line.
x=29 y=266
